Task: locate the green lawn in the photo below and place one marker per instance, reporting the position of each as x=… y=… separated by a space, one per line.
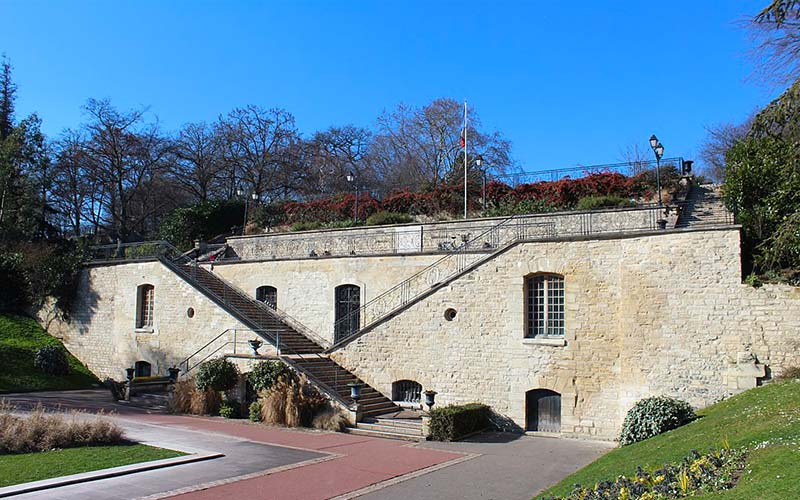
x=27 y=467
x=766 y=420
x=20 y=338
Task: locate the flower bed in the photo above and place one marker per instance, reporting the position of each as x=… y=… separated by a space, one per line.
x=697 y=474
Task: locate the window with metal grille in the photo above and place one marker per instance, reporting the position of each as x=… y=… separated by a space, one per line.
x=144 y=311
x=406 y=391
x=544 y=306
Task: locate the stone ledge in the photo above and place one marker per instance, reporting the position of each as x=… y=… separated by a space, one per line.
x=550 y=342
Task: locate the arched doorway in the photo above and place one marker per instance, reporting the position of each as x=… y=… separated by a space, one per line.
x=348 y=314
x=268 y=295
x=543 y=410
x=142 y=369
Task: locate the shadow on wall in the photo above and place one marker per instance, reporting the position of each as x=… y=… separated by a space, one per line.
x=80 y=315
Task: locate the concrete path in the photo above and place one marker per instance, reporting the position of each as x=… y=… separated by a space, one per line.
x=508 y=467
x=264 y=462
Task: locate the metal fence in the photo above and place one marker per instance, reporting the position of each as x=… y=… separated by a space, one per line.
x=625 y=168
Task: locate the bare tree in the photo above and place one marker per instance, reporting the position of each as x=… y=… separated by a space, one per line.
x=337 y=151
x=257 y=142
x=425 y=142
x=125 y=155
x=776 y=32
x=721 y=138
x=197 y=160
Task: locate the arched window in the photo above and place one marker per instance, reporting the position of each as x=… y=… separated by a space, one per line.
x=268 y=295
x=348 y=314
x=145 y=297
x=406 y=391
x=142 y=369
x=543 y=410
x=544 y=305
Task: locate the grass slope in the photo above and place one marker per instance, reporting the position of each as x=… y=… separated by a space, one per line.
x=765 y=419
x=27 y=467
x=20 y=338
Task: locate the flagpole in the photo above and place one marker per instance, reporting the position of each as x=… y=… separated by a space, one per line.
x=465 y=158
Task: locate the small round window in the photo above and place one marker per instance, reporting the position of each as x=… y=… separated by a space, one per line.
x=190 y=312
x=450 y=314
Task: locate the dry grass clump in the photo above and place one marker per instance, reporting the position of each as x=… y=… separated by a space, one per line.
x=330 y=419
x=291 y=402
x=790 y=373
x=187 y=398
x=41 y=431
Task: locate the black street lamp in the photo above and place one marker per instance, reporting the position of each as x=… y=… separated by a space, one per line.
x=351 y=178
x=658 y=150
x=240 y=193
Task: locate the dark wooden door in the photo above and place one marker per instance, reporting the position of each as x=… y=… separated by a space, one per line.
x=543 y=410
x=348 y=311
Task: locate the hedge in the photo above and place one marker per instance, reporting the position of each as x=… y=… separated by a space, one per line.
x=452 y=422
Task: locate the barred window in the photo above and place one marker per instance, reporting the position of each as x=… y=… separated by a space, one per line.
x=268 y=295
x=544 y=306
x=145 y=298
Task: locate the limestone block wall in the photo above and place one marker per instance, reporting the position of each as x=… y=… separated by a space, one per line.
x=306 y=288
x=102 y=332
x=434 y=236
x=659 y=314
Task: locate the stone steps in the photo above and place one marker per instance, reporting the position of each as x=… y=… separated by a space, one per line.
x=390 y=428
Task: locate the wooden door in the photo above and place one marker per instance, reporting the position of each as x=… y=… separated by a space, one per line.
x=543 y=410
x=348 y=311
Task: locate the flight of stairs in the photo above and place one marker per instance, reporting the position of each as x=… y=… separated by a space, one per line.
x=704 y=207
x=408 y=429
x=334 y=376
x=296 y=348
x=253 y=314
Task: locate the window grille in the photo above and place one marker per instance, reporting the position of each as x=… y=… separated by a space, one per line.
x=146 y=298
x=268 y=295
x=545 y=306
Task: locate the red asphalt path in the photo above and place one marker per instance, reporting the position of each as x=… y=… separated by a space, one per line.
x=364 y=461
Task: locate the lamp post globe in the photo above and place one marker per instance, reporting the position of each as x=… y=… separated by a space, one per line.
x=653 y=141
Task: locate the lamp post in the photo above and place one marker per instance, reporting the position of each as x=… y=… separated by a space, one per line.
x=351 y=178
x=240 y=192
x=479 y=163
x=658 y=150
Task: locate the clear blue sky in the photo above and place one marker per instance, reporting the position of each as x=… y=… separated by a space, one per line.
x=568 y=82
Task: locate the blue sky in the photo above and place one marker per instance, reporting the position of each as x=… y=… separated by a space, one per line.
x=568 y=82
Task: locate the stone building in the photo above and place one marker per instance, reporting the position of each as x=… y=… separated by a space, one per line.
x=559 y=322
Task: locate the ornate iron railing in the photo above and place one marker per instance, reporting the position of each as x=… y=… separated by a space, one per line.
x=628 y=169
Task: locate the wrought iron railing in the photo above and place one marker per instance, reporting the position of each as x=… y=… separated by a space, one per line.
x=628 y=169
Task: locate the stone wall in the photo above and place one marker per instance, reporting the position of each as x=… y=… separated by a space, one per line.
x=662 y=313
x=306 y=288
x=659 y=314
x=436 y=236
x=102 y=332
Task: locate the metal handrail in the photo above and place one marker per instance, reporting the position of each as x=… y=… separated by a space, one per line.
x=187 y=365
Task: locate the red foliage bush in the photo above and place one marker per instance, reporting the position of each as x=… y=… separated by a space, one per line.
x=449 y=197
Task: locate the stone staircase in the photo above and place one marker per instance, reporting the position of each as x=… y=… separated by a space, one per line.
x=391 y=426
x=704 y=206
x=253 y=313
x=333 y=375
x=297 y=350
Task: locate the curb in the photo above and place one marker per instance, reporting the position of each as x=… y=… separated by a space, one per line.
x=123 y=470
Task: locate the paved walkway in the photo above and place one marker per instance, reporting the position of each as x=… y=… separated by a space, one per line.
x=272 y=463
